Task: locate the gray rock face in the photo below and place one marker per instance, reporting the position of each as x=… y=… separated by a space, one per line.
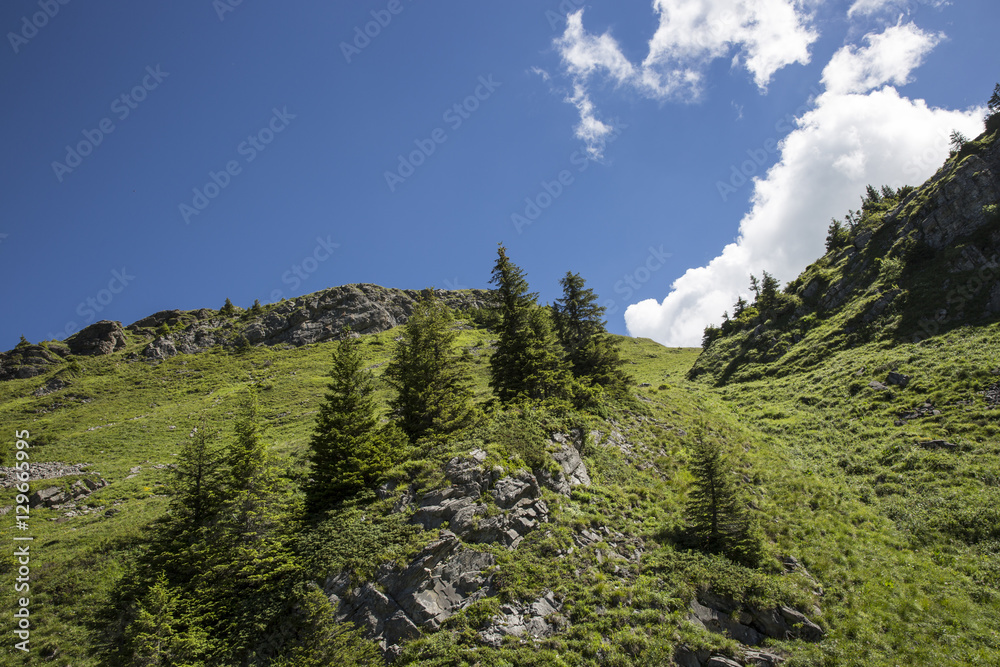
x=160 y=349
x=535 y=620
x=750 y=626
x=100 y=338
x=443 y=578
x=27 y=362
x=305 y=320
x=517 y=498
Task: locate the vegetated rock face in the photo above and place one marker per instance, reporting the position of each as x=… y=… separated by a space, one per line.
x=444 y=578
x=27 y=362
x=301 y=321
x=539 y=619
x=723 y=615
x=100 y=338
x=481 y=506
x=8 y=476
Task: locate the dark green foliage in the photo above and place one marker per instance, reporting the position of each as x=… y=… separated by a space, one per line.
x=228 y=308
x=767 y=302
x=256 y=308
x=592 y=354
x=196 y=492
x=836 y=235
x=23 y=343
x=717 y=518
x=527 y=361
x=710 y=334
x=433 y=396
x=348 y=449
x=250 y=511
x=321 y=641
x=956 y=142
x=164 y=632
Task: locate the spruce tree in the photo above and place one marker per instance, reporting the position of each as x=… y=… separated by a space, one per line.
x=227 y=308
x=196 y=492
x=251 y=483
x=433 y=396
x=164 y=631
x=349 y=449
x=528 y=362
x=579 y=321
x=718 y=521
x=514 y=302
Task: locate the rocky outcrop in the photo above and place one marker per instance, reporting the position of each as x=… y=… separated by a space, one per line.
x=536 y=620
x=480 y=505
x=100 y=338
x=750 y=625
x=444 y=578
x=54 y=496
x=27 y=362
x=53 y=470
x=161 y=348
x=313 y=318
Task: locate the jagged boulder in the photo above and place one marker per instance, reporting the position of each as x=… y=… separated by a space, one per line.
x=100 y=338
x=442 y=579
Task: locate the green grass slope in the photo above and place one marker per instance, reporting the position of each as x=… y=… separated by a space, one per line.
x=851 y=496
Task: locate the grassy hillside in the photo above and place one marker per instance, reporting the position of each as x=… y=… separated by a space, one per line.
x=902 y=540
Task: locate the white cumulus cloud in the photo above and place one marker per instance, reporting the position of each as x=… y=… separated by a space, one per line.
x=764 y=35
x=860 y=131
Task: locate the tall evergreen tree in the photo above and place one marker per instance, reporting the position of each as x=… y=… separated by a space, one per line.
x=579 y=321
x=251 y=480
x=433 y=395
x=527 y=362
x=348 y=448
x=196 y=492
x=717 y=519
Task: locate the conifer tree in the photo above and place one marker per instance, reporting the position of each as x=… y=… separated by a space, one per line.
x=527 y=361
x=717 y=520
x=433 y=396
x=251 y=483
x=227 y=308
x=579 y=321
x=22 y=343
x=349 y=449
x=164 y=632
x=768 y=292
x=196 y=492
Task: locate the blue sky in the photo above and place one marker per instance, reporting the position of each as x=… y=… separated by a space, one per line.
x=173 y=155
